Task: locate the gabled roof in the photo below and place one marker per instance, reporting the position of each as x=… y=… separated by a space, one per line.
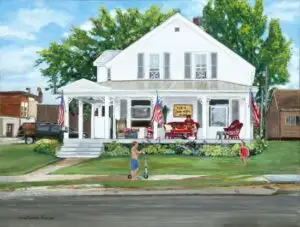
x=287 y=98
x=105 y=57
x=195 y=28
x=83 y=85
x=175 y=85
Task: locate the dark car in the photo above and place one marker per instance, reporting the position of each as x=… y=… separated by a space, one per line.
x=34 y=132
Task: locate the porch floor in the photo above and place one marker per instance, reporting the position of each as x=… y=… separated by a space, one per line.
x=162 y=141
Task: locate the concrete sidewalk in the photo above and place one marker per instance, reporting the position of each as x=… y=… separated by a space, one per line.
x=283 y=178
x=52 y=191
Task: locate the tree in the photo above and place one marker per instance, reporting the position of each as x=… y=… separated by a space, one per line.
x=243 y=28
x=73 y=58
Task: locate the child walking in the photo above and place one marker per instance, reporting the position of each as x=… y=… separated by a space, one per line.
x=244 y=153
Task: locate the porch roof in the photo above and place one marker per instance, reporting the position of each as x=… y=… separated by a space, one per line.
x=176 y=85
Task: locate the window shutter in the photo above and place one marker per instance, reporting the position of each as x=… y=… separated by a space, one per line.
x=199 y=114
x=123 y=109
x=235 y=110
x=167 y=65
x=140 y=63
x=187 y=66
x=108 y=74
x=214 y=65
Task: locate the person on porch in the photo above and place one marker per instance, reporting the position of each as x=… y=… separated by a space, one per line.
x=189 y=123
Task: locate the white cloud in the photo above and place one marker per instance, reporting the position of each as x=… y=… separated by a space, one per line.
x=18 y=71
x=87 y=26
x=6 y=31
x=17 y=60
x=30 y=21
x=285 y=10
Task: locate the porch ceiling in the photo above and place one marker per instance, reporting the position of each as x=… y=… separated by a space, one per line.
x=173 y=85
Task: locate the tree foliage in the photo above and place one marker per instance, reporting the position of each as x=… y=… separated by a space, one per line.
x=73 y=58
x=245 y=29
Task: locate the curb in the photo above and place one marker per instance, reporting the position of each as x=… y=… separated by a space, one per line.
x=116 y=192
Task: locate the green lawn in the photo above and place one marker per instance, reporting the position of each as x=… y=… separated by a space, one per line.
x=20 y=159
x=281 y=157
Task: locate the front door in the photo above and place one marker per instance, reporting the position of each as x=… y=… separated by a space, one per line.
x=9 y=130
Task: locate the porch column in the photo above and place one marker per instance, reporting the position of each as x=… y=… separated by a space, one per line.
x=106 y=117
x=80 y=119
x=114 y=123
x=92 y=121
x=66 y=117
x=205 y=117
x=128 y=119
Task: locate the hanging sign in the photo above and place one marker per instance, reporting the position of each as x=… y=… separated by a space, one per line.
x=182 y=110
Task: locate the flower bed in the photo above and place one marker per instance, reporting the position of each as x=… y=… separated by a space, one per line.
x=118 y=150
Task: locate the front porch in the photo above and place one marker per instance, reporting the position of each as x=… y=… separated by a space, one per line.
x=115 y=108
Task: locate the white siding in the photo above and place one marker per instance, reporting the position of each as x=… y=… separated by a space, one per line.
x=230 y=68
x=101 y=74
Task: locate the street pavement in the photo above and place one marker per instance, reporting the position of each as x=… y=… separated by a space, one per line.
x=143 y=211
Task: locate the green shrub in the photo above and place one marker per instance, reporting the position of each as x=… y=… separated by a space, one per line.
x=187 y=152
x=47 y=146
x=115 y=149
x=257 y=146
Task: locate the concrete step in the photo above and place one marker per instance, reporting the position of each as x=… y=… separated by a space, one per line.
x=69 y=154
x=77 y=155
x=92 y=145
x=82 y=149
x=82 y=141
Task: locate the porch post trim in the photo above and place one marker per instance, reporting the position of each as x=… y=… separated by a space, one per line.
x=128 y=119
x=92 y=121
x=114 y=123
x=80 y=119
x=205 y=117
x=66 y=117
x=106 y=117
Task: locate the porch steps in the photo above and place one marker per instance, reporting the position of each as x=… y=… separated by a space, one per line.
x=75 y=148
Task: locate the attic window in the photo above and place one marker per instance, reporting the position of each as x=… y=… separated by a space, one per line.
x=176 y=29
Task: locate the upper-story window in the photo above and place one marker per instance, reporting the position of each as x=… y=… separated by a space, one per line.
x=200 y=66
x=154 y=72
x=24 y=109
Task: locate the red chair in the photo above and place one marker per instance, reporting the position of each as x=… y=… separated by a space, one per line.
x=150 y=133
x=233 y=130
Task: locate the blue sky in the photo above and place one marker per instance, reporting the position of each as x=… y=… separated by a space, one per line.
x=30 y=25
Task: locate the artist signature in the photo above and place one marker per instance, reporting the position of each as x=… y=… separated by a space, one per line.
x=42 y=217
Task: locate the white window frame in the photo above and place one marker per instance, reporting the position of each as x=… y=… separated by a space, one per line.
x=291 y=120
x=226 y=107
x=195 y=68
x=154 y=70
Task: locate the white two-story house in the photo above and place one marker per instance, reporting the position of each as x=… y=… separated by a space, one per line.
x=189 y=70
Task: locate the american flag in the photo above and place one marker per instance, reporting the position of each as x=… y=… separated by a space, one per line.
x=61 y=112
x=157 y=113
x=255 y=110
